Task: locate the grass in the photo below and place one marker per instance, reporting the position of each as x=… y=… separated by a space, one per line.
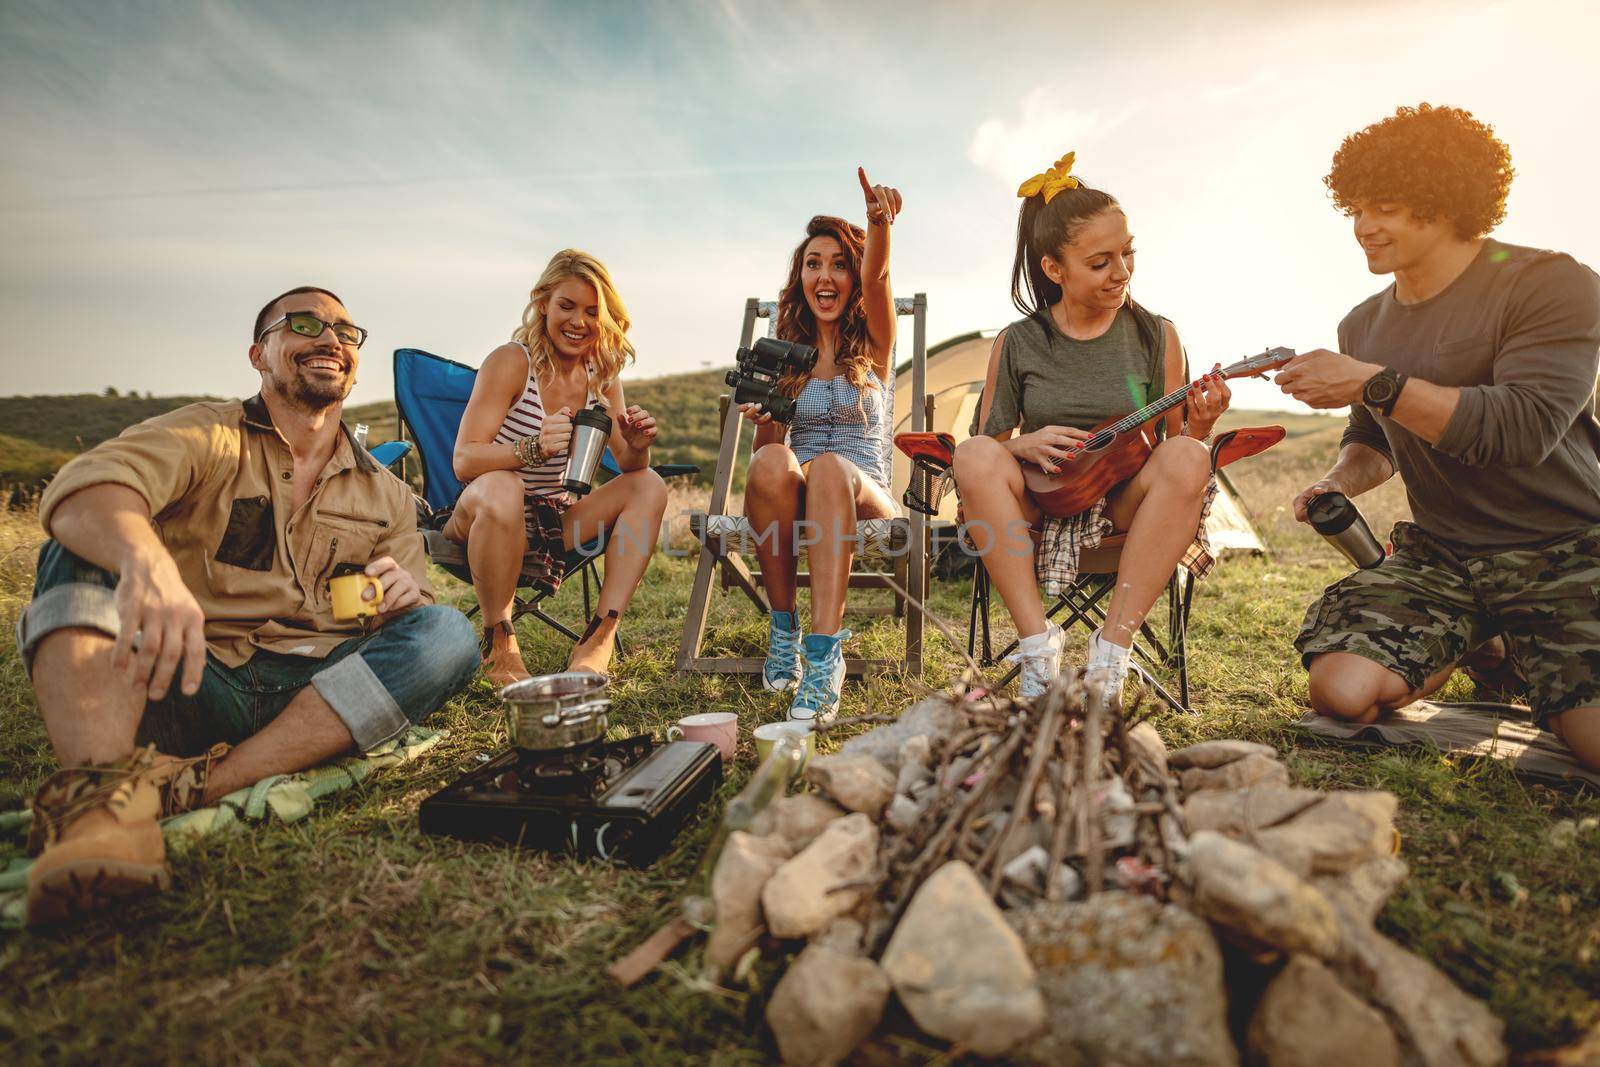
x=353 y=937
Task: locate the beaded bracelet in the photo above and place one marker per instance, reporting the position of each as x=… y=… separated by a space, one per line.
x=528 y=452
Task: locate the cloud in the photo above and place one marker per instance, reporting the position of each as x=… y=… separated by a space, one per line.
x=1046 y=126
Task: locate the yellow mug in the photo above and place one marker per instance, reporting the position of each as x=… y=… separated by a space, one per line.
x=767 y=735
x=346 y=591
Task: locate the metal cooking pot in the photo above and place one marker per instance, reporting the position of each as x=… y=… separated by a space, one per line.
x=556 y=711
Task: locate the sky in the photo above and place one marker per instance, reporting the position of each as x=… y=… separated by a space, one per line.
x=167 y=167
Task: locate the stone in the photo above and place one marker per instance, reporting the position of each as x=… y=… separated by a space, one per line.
x=937 y=718
x=1438 y=1025
x=855 y=781
x=825 y=1005
x=1307 y=1019
x=1023 y=879
x=915 y=757
x=1119 y=822
x=741 y=873
x=1243 y=811
x=844 y=935
x=808 y=891
x=1126 y=980
x=1210 y=755
x=797 y=819
x=903 y=812
x=1338 y=832
x=1253 y=769
x=960 y=970
x=1149 y=753
x=1256 y=900
x=1363 y=890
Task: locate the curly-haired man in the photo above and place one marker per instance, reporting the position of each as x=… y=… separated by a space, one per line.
x=1473 y=376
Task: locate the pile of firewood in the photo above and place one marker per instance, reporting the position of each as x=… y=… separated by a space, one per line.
x=1041 y=881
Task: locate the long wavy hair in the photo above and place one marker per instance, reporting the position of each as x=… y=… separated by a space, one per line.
x=1044 y=230
x=797 y=323
x=612 y=349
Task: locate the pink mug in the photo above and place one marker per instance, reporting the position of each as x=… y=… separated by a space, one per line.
x=720 y=728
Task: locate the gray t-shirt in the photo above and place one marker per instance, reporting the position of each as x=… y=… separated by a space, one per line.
x=1049 y=379
x=1519 y=463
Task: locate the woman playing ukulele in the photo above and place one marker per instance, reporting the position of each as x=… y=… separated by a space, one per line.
x=1085 y=352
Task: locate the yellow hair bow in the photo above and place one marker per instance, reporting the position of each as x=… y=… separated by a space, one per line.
x=1052 y=181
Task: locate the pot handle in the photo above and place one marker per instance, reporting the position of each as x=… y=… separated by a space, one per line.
x=674 y=733
x=578 y=713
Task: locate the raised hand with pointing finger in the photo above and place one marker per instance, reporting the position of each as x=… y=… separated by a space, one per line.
x=883 y=201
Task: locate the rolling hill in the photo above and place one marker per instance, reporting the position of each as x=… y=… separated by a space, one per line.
x=42 y=432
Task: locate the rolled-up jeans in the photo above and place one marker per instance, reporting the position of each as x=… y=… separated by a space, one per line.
x=379 y=683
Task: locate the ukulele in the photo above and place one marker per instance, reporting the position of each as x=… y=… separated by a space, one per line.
x=1118 y=447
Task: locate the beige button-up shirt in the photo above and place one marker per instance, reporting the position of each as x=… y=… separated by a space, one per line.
x=218 y=478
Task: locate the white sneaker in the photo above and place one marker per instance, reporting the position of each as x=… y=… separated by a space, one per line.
x=1040 y=657
x=1107 y=669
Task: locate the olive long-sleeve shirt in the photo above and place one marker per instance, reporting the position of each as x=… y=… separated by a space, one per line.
x=1518 y=333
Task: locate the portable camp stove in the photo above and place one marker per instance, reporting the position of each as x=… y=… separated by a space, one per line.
x=617 y=800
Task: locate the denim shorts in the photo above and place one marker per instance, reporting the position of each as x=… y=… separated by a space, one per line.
x=378 y=683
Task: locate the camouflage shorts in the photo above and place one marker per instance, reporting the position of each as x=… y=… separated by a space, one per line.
x=1426 y=607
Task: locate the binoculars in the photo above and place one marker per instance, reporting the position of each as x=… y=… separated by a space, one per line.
x=761 y=366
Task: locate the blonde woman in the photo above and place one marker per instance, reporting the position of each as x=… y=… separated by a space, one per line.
x=511 y=451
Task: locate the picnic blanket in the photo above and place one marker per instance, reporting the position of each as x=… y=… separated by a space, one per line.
x=1503 y=732
x=285 y=798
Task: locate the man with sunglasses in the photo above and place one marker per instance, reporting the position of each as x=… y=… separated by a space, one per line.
x=181 y=639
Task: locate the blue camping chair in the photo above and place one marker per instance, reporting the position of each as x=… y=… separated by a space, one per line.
x=431 y=393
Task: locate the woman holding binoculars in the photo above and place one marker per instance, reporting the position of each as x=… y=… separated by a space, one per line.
x=833 y=469
x=512 y=450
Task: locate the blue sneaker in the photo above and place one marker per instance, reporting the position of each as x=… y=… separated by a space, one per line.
x=818 y=699
x=781 y=672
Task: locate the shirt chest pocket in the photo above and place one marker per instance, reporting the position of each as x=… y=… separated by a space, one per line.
x=1462 y=362
x=337 y=539
x=242 y=560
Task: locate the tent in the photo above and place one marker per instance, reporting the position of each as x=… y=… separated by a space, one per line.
x=956 y=370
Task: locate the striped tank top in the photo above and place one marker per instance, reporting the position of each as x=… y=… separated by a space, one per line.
x=526 y=418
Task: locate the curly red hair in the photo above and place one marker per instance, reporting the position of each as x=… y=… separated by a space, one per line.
x=1439 y=162
x=797 y=323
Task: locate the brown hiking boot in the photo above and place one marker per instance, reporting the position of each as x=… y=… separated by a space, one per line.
x=96 y=835
x=502 y=657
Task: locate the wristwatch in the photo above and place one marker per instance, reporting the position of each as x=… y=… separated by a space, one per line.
x=1382 y=390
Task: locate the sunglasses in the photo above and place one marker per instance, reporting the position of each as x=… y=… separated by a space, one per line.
x=308 y=325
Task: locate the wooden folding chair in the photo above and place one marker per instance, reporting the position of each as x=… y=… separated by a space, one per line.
x=723 y=537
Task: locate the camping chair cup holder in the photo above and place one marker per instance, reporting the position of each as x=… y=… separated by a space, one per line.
x=925 y=493
x=931 y=456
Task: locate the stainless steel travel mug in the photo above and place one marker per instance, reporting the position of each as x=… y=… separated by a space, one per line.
x=1335 y=518
x=591 y=429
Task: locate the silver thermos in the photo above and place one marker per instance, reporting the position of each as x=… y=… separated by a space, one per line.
x=591 y=429
x=1335 y=518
